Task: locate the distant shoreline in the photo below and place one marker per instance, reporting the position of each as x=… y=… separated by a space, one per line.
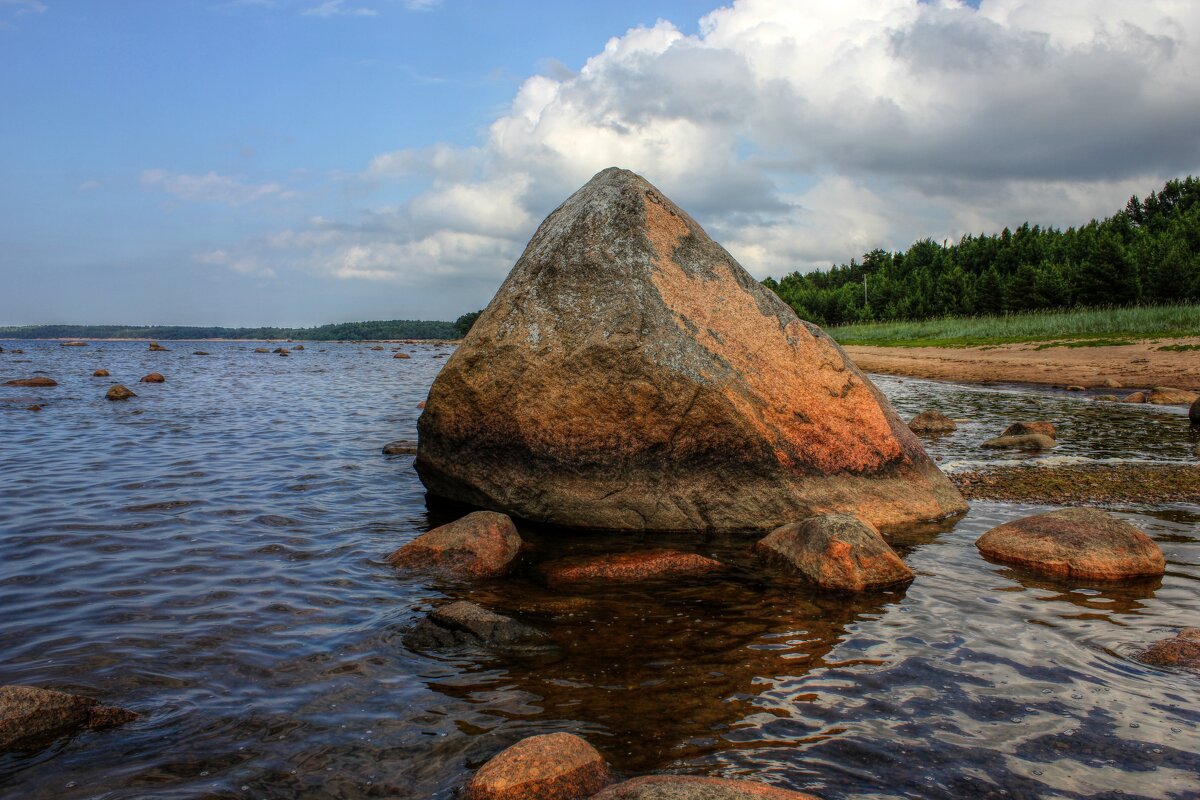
x=217 y=339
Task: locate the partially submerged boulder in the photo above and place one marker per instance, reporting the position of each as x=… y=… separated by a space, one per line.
x=836 y=551
x=553 y=766
x=118 y=392
x=400 y=447
x=158 y=348
x=153 y=377
x=402 y=355
x=1181 y=650
x=1170 y=396
x=480 y=545
x=1029 y=441
x=35 y=382
x=100 y=373
x=634 y=567
x=932 y=423
x=630 y=375
x=465 y=623
x=1075 y=543
x=1134 y=397
x=689 y=787
x=1026 y=428
x=32 y=717
x=72 y=344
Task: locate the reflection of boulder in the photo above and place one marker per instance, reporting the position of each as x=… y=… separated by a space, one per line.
x=1126 y=597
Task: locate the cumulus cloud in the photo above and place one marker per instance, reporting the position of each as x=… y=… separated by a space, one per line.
x=805 y=133
x=211 y=187
x=338 y=8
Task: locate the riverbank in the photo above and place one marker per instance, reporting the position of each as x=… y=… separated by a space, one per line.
x=1107 y=484
x=1137 y=365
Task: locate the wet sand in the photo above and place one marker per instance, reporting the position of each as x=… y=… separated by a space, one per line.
x=1133 y=366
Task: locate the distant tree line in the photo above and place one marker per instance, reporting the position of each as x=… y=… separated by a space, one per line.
x=348 y=331
x=1148 y=253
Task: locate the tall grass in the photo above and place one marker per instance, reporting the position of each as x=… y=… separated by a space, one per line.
x=1115 y=324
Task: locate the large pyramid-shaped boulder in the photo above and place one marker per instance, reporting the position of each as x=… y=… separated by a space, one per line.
x=629 y=374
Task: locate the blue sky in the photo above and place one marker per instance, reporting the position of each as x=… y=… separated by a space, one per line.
x=309 y=161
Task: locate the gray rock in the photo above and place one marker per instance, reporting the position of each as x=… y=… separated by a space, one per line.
x=932 y=422
x=1030 y=441
x=400 y=447
x=465 y=623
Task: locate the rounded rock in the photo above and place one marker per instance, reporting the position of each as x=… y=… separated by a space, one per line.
x=1134 y=397
x=1026 y=428
x=1029 y=441
x=553 y=766
x=35 y=382
x=100 y=373
x=1170 y=396
x=687 y=787
x=932 y=422
x=31 y=716
x=118 y=392
x=153 y=377
x=632 y=567
x=482 y=544
x=836 y=551
x=402 y=355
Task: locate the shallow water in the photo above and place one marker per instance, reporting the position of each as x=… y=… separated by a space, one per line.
x=210 y=554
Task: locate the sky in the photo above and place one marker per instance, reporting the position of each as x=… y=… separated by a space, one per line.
x=298 y=162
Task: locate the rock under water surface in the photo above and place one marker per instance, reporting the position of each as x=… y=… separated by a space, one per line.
x=630 y=375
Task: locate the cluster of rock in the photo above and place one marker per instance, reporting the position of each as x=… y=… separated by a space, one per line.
x=1163 y=396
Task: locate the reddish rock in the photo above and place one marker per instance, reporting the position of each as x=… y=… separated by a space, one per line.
x=630 y=375
x=553 y=766
x=1075 y=543
x=1182 y=650
x=629 y=567
x=480 y=545
x=40 y=380
x=158 y=348
x=687 y=787
x=1029 y=441
x=34 y=407
x=100 y=373
x=932 y=422
x=1135 y=397
x=402 y=355
x=1168 y=396
x=72 y=344
x=118 y=392
x=1027 y=428
x=421 y=404
x=836 y=551
x=31 y=717
x=153 y=377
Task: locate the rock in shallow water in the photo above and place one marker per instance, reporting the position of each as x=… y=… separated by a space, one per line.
x=118 y=392
x=1170 y=396
x=932 y=422
x=400 y=447
x=154 y=377
x=1029 y=441
x=1182 y=650
x=630 y=375
x=685 y=787
x=39 y=381
x=632 y=567
x=480 y=545
x=31 y=717
x=553 y=766
x=464 y=623
x=836 y=551
x=1075 y=543
x=100 y=373
x=1027 y=428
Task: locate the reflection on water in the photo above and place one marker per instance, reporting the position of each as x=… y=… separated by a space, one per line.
x=211 y=554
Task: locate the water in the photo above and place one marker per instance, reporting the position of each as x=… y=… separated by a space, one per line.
x=210 y=554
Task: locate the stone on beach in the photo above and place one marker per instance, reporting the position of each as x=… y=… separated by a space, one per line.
x=688 y=787
x=836 y=551
x=630 y=375
x=35 y=382
x=100 y=373
x=932 y=422
x=553 y=766
x=1029 y=441
x=153 y=377
x=1026 y=428
x=631 y=567
x=465 y=623
x=1075 y=543
x=480 y=545
x=118 y=392
x=31 y=717
x=1169 y=396
x=1181 y=650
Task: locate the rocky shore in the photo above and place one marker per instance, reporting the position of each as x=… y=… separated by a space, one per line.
x=1100 y=484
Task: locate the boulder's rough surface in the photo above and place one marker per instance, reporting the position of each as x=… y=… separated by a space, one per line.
x=118 y=392
x=1028 y=441
x=1170 y=396
x=1075 y=543
x=1182 y=650
x=1194 y=412
x=836 y=551
x=932 y=422
x=40 y=380
x=630 y=375
x=480 y=545
x=154 y=377
x=463 y=622
x=633 y=567
x=553 y=766
x=31 y=717
x=1026 y=428
x=400 y=447
x=685 y=787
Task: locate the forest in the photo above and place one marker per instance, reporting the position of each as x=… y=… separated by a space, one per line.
x=344 y=331
x=1146 y=254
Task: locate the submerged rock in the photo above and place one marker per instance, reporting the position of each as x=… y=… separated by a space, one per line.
x=400 y=447
x=261 y=350
x=932 y=422
x=632 y=567
x=118 y=392
x=1075 y=543
x=38 y=381
x=298 y=347
x=154 y=377
x=1182 y=650
x=72 y=344
x=630 y=375
x=100 y=373
x=200 y=353
x=32 y=717
x=1026 y=428
x=836 y=551
x=1028 y=441
x=1169 y=396
x=553 y=766
x=464 y=623
x=688 y=787
x=480 y=545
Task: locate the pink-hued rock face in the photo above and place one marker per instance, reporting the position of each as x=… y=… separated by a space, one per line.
x=1182 y=650
x=1075 y=543
x=554 y=766
x=629 y=567
x=480 y=545
x=630 y=375
x=836 y=551
x=684 y=787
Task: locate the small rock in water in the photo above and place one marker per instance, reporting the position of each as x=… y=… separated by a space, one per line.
x=72 y=344
x=158 y=348
x=285 y=354
x=17 y=352
x=553 y=766
x=32 y=717
x=298 y=347
x=421 y=404
x=261 y=350
x=1182 y=650
x=1107 y=398
x=1194 y=412
x=1027 y=428
x=200 y=353
x=100 y=373
x=402 y=355
x=153 y=377
x=1030 y=441
x=34 y=407
x=632 y=567
x=1075 y=388
x=1135 y=397
x=688 y=787
x=39 y=381
x=465 y=623
x=1169 y=396
x=932 y=422
x=1075 y=543
x=482 y=544
x=400 y=447
x=377 y=347
x=119 y=392
x=836 y=551
x=279 y=350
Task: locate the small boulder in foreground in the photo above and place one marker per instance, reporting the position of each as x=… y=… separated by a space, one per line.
x=154 y=377
x=1075 y=543
x=118 y=392
x=689 y=787
x=482 y=544
x=31 y=717
x=632 y=567
x=39 y=381
x=932 y=422
x=836 y=551
x=465 y=623
x=553 y=766
x=1029 y=441
x=1182 y=650
x=1170 y=396
x=1026 y=428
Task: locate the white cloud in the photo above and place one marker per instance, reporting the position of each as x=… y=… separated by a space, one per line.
x=338 y=8
x=211 y=187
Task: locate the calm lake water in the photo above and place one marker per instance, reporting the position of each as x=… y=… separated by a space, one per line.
x=210 y=554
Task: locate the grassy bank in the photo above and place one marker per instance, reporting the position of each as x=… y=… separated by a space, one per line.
x=1083 y=328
